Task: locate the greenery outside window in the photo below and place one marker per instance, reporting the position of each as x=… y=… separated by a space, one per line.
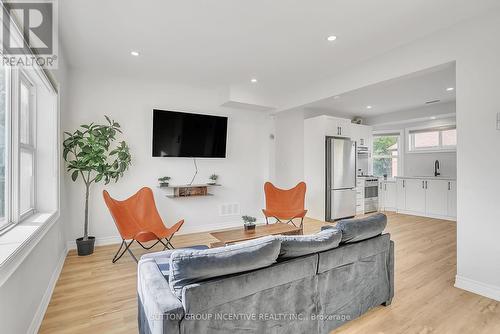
x=386 y=154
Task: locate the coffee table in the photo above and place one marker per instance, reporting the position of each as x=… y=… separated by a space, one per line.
x=240 y=234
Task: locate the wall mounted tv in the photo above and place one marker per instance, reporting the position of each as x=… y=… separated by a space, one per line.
x=180 y=134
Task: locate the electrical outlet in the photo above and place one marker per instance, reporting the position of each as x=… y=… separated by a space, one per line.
x=229 y=209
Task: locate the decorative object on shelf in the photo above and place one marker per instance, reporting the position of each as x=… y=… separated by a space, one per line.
x=88 y=154
x=249 y=222
x=189 y=190
x=213 y=179
x=164 y=181
x=357 y=120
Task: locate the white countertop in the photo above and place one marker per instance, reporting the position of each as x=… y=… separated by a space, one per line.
x=429 y=177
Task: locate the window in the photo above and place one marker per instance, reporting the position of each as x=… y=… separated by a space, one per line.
x=17 y=146
x=26 y=148
x=3 y=149
x=386 y=154
x=434 y=139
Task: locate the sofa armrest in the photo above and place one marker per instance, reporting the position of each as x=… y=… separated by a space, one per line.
x=160 y=311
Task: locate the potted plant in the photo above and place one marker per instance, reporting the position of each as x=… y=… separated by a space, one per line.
x=249 y=222
x=164 y=181
x=89 y=156
x=213 y=179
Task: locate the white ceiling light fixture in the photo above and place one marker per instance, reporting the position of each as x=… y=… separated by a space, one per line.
x=369 y=107
x=433 y=117
x=450 y=89
x=253 y=80
x=331 y=38
x=135 y=53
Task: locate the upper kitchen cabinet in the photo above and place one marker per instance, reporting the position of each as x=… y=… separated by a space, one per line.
x=362 y=134
x=338 y=127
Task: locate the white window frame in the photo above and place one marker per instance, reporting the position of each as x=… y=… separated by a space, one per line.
x=7 y=220
x=14 y=215
x=400 y=155
x=440 y=148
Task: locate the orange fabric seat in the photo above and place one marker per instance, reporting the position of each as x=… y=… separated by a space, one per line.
x=137 y=219
x=285 y=204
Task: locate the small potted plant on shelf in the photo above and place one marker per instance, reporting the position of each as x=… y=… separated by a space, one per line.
x=213 y=179
x=249 y=222
x=164 y=181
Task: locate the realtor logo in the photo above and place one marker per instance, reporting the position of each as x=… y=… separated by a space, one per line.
x=30 y=25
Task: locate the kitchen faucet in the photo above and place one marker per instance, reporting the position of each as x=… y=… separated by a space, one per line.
x=436 y=168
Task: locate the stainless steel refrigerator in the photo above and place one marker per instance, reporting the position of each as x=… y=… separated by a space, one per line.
x=340 y=178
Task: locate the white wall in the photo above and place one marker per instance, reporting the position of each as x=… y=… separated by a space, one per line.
x=475 y=48
x=26 y=293
x=418 y=164
x=130 y=102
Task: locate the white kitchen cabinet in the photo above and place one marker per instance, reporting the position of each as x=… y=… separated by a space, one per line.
x=452 y=199
x=362 y=134
x=338 y=127
x=436 y=197
x=415 y=195
x=390 y=196
x=428 y=197
x=400 y=195
x=387 y=195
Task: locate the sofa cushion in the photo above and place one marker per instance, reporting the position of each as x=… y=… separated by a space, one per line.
x=354 y=230
x=299 y=245
x=162 y=259
x=191 y=266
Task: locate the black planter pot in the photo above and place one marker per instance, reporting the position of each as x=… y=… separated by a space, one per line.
x=85 y=247
x=249 y=227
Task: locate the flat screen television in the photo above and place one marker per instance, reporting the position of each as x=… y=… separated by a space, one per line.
x=180 y=134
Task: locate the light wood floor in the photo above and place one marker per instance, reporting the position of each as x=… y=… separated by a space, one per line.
x=93 y=295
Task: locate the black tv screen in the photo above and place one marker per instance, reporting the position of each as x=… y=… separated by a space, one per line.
x=179 y=134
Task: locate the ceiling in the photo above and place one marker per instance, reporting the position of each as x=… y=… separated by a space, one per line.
x=225 y=43
x=407 y=92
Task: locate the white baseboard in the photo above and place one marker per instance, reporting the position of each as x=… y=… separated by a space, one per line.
x=483 y=289
x=98 y=242
x=42 y=307
x=423 y=214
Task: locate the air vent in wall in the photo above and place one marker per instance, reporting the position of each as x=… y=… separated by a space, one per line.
x=229 y=209
x=433 y=101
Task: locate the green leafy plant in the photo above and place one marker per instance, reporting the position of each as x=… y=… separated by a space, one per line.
x=248 y=220
x=89 y=156
x=214 y=178
x=164 y=180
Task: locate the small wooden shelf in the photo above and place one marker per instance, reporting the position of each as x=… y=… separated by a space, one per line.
x=189 y=190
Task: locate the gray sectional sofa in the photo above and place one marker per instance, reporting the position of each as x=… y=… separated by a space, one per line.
x=283 y=284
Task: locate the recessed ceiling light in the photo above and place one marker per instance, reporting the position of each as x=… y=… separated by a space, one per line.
x=369 y=107
x=134 y=53
x=433 y=117
x=331 y=38
x=449 y=89
x=253 y=80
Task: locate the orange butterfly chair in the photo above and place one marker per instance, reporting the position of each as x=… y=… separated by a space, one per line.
x=285 y=205
x=137 y=219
